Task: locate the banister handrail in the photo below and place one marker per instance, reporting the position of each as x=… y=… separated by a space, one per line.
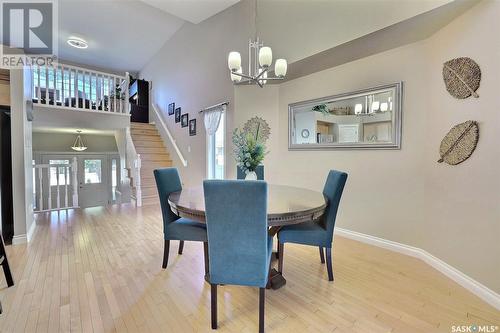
x=169 y=135
x=86 y=70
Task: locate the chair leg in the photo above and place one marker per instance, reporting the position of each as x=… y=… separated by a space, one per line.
x=213 y=301
x=5 y=265
x=181 y=246
x=329 y=263
x=262 y=297
x=281 y=250
x=205 y=256
x=166 y=248
x=321 y=255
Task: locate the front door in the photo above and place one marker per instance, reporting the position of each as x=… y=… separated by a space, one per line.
x=93 y=181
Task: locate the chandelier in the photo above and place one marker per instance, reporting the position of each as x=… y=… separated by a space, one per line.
x=260 y=59
x=79 y=145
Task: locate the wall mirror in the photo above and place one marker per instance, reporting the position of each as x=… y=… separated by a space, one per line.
x=365 y=119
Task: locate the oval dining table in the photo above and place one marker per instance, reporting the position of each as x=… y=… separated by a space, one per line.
x=286 y=205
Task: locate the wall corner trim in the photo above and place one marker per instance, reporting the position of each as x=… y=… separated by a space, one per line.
x=475 y=287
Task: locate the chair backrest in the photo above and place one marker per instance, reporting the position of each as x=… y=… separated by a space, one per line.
x=259 y=171
x=236 y=217
x=333 y=189
x=167 y=181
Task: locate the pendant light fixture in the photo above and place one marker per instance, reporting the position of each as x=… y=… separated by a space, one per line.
x=79 y=145
x=260 y=59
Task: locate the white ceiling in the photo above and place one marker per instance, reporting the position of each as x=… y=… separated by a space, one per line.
x=124 y=34
x=87 y=131
x=193 y=11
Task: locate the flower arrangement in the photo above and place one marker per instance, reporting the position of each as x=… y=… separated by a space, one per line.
x=249 y=151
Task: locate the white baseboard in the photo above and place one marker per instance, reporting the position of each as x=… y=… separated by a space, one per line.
x=31 y=232
x=480 y=290
x=19 y=239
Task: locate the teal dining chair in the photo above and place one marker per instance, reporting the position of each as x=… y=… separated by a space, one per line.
x=239 y=246
x=259 y=171
x=320 y=232
x=175 y=227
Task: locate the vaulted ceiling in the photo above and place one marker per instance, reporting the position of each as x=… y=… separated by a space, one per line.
x=124 y=34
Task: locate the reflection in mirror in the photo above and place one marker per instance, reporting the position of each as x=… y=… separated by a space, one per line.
x=370 y=118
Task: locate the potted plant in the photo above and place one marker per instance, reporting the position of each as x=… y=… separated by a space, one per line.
x=249 y=152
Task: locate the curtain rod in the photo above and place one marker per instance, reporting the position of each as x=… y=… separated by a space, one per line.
x=214 y=106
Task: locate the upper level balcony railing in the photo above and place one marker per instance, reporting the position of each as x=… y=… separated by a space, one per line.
x=71 y=87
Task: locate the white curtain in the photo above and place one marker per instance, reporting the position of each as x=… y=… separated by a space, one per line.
x=211 y=118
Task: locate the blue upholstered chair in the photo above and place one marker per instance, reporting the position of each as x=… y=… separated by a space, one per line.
x=175 y=227
x=238 y=243
x=317 y=233
x=259 y=171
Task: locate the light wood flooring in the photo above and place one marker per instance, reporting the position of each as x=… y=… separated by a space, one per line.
x=99 y=270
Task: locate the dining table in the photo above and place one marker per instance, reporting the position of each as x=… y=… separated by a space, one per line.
x=286 y=205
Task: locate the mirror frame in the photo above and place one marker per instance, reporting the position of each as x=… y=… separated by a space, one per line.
x=397 y=125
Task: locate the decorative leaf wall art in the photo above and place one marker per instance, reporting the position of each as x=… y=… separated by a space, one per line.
x=258 y=126
x=460 y=142
x=462 y=77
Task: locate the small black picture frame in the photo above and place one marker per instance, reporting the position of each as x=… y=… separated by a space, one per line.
x=178 y=115
x=185 y=120
x=192 y=127
x=171 y=109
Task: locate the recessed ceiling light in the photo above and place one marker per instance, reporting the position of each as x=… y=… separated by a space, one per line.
x=77 y=42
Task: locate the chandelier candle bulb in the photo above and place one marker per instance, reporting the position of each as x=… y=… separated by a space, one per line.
x=234 y=61
x=280 y=67
x=265 y=56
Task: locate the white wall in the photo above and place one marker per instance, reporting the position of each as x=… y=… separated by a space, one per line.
x=191 y=70
x=404 y=195
x=299 y=29
x=62 y=142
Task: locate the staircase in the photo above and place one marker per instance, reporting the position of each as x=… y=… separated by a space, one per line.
x=149 y=144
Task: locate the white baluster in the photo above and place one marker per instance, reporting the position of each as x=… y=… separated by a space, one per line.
x=74 y=170
x=116 y=97
x=46 y=85
x=57 y=183
x=50 y=189
x=126 y=107
x=138 y=190
x=66 y=186
x=75 y=86
x=40 y=189
x=62 y=86
x=39 y=93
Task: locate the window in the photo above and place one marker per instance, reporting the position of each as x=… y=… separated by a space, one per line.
x=92 y=171
x=215 y=151
x=55 y=170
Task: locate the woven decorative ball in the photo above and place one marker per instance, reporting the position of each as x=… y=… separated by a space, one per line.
x=460 y=142
x=462 y=77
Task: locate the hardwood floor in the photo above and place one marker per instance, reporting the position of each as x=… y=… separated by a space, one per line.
x=99 y=270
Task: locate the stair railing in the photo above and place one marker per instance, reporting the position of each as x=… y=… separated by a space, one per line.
x=72 y=87
x=64 y=181
x=134 y=164
x=164 y=128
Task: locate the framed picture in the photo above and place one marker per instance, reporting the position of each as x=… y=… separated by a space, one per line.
x=171 y=109
x=178 y=115
x=184 y=120
x=192 y=127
